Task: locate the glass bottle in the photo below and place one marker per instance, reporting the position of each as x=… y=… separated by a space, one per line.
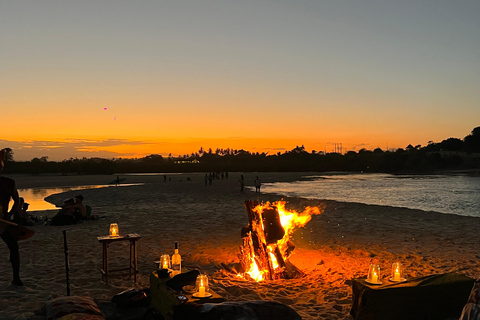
x=176 y=261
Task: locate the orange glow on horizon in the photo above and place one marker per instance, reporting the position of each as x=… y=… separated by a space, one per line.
x=112 y=135
x=138 y=148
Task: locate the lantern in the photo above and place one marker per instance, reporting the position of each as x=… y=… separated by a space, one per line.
x=201 y=288
x=373 y=276
x=397 y=272
x=164 y=262
x=114 y=230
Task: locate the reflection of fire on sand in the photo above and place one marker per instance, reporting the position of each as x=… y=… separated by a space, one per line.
x=17 y=231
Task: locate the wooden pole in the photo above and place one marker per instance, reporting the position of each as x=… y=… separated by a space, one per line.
x=67 y=262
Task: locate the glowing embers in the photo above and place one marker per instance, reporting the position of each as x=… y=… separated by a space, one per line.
x=266 y=240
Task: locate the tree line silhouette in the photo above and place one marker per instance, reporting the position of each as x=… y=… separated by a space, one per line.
x=450 y=154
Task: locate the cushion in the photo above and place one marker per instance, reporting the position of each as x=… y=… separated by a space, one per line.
x=471 y=311
x=239 y=310
x=81 y=316
x=59 y=307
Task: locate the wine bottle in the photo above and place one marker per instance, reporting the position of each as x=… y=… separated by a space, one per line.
x=176 y=261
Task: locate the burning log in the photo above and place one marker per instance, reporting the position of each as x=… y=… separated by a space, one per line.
x=262 y=253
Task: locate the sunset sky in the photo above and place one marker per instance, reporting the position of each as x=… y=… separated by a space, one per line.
x=113 y=78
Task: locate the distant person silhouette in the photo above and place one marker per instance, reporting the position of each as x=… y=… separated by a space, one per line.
x=258 y=184
x=8 y=190
x=242 y=183
x=80 y=212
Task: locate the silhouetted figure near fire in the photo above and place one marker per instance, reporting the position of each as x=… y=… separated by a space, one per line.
x=8 y=190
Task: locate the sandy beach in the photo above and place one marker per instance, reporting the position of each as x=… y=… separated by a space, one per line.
x=333 y=248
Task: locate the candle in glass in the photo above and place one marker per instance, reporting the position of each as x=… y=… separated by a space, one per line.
x=113 y=229
x=397 y=271
x=201 y=291
x=164 y=261
x=374 y=274
x=396 y=277
x=202 y=285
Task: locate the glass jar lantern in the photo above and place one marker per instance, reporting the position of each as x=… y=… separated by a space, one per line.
x=374 y=274
x=397 y=272
x=114 y=230
x=201 y=286
x=164 y=262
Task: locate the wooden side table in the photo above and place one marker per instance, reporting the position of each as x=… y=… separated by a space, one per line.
x=132 y=268
x=441 y=296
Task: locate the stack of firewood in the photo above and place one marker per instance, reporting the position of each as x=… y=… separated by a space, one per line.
x=259 y=240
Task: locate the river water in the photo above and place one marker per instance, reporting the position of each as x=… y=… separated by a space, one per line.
x=35 y=196
x=453 y=194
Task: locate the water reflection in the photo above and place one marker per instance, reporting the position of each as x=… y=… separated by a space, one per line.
x=457 y=194
x=35 y=196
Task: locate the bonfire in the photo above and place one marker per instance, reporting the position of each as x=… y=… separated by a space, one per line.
x=266 y=243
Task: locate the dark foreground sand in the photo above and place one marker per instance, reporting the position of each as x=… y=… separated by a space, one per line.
x=332 y=248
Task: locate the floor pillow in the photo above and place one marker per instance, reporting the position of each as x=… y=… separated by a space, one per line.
x=62 y=306
x=81 y=316
x=471 y=311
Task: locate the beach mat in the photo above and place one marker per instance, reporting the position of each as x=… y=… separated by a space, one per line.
x=17 y=231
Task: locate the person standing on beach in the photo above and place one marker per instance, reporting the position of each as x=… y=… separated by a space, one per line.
x=242 y=183
x=258 y=184
x=8 y=190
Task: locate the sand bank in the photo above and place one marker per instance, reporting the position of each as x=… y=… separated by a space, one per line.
x=332 y=248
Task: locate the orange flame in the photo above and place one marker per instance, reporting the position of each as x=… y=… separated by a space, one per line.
x=290 y=221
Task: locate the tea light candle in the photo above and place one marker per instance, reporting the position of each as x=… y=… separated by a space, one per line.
x=396 y=275
x=201 y=291
x=374 y=277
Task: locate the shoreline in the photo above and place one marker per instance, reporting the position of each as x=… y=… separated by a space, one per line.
x=333 y=248
x=103 y=181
